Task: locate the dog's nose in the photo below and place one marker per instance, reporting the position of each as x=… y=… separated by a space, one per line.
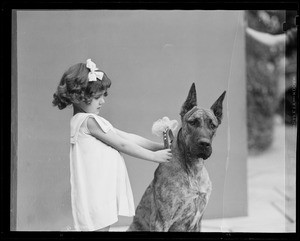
x=204 y=143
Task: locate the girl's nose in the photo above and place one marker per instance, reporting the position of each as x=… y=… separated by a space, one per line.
x=102 y=101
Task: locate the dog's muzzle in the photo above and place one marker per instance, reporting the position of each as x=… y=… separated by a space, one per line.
x=202 y=149
x=204 y=154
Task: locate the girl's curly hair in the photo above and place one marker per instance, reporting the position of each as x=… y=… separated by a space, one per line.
x=74 y=87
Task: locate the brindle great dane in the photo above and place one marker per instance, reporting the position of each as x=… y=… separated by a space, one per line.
x=176 y=198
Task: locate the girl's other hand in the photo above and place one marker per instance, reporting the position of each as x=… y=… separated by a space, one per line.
x=162 y=156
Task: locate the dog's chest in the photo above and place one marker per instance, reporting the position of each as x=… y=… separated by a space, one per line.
x=199 y=184
x=199 y=191
x=193 y=199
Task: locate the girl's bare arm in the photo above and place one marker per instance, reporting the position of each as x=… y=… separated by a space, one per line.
x=141 y=141
x=126 y=146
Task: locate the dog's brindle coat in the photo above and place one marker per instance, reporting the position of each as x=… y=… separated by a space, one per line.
x=176 y=198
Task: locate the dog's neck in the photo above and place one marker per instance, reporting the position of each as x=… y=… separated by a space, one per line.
x=191 y=164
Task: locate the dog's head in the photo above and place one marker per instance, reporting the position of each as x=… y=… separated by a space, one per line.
x=199 y=125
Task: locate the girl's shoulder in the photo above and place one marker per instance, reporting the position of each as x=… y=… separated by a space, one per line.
x=83 y=116
x=78 y=119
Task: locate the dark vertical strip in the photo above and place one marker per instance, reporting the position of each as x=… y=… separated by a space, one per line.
x=14 y=124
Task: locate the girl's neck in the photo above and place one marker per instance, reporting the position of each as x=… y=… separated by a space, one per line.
x=77 y=109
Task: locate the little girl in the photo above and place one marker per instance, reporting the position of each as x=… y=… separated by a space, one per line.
x=100 y=187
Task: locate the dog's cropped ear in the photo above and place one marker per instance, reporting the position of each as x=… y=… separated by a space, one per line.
x=190 y=102
x=217 y=107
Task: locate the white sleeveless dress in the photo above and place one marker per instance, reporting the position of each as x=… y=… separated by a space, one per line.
x=100 y=187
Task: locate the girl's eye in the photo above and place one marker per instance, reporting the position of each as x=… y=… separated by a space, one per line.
x=99 y=96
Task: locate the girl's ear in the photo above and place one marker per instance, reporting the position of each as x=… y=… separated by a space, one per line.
x=190 y=102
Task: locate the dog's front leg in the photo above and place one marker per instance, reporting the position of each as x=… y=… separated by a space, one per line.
x=164 y=206
x=160 y=219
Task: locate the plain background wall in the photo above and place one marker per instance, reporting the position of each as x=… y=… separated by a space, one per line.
x=152 y=58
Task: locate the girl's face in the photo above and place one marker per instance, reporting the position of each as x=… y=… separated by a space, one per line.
x=95 y=105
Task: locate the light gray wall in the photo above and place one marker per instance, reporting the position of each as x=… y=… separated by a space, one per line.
x=152 y=58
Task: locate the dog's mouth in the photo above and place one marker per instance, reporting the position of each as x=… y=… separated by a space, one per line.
x=202 y=153
x=204 y=156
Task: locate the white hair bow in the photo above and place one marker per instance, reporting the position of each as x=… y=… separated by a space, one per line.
x=93 y=74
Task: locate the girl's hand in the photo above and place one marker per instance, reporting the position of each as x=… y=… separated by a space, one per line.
x=162 y=156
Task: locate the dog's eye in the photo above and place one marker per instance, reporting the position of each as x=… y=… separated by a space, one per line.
x=212 y=125
x=193 y=122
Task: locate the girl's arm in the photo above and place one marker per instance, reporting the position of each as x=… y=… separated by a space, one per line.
x=141 y=141
x=126 y=146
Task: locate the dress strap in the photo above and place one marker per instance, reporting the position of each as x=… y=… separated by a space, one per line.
x=79 y=118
